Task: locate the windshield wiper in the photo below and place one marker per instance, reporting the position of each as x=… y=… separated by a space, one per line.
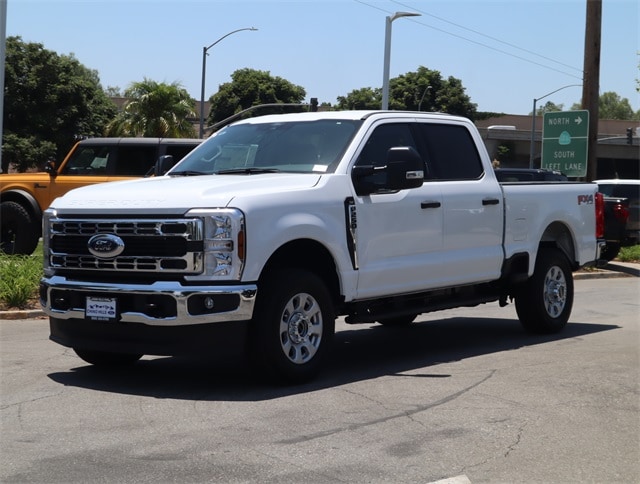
x=188 y=173
x=247 y=171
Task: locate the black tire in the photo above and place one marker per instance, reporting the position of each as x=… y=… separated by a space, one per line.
x=544 y=302
x=293 y=326
x=18 y=231
x=107 y=359
x=610 y=251
x=399 y=320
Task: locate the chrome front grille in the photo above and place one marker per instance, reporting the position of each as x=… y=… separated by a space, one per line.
x=174 y=245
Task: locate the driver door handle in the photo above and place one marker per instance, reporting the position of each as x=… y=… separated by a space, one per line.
x=430 y=204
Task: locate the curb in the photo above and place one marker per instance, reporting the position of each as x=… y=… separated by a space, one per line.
x=610 y=271
x=22 y=314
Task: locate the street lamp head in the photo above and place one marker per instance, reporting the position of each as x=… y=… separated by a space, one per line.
x=204 y=65
x=403 y=14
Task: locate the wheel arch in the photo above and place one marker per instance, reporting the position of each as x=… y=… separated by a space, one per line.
x=558 y=234
x=310 y=255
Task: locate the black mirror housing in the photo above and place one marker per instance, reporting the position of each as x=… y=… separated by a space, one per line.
x=404 y=170
x=50 y=168
x=163 y=165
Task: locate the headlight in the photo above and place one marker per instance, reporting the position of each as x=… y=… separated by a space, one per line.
x=224 y=237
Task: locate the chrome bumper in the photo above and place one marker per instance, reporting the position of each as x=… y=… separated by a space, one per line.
x=64 y=299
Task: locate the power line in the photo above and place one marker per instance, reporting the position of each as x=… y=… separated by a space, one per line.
x=490 y=37
x=524 y=59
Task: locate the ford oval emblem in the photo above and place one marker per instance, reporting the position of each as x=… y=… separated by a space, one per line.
x=105 y=246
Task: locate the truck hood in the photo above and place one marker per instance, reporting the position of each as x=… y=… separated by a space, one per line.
x=178 y=194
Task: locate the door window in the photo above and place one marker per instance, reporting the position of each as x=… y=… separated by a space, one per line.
x=88 y=160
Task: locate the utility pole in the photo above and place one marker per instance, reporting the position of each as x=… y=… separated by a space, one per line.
x=591 y=83
x=3 y=50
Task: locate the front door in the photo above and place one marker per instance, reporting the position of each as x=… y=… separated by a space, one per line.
x=399 y=235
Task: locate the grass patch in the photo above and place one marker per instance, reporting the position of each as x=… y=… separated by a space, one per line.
x=19 y=279
x=629 y=254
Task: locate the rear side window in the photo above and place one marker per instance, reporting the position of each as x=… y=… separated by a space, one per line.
x=135 y=160
x=451 y=152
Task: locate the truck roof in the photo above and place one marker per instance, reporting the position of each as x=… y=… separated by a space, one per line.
x=350 y=115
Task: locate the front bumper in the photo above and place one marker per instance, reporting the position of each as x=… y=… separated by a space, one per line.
x=161 y=303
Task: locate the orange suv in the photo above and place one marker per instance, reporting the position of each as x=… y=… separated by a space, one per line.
x=24 y=196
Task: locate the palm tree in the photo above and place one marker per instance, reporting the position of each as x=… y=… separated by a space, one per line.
x=155 y=110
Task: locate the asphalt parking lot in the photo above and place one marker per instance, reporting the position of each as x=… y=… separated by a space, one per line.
x=466 y=395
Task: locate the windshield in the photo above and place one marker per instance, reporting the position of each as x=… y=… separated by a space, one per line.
x=294 y=146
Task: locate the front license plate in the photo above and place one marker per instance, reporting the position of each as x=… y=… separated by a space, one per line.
x=101 y=308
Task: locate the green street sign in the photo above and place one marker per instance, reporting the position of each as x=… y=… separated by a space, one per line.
x=565 y=136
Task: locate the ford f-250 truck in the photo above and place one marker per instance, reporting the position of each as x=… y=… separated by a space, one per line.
x=276 y=225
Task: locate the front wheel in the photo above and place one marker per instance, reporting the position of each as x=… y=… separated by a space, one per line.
x=544 y=302
x=105 y=358
x=19 y=233
x=292 y=327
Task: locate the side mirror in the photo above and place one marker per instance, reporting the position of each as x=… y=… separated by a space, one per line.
x=163 y=165
x=50 y=168
x=404 y=170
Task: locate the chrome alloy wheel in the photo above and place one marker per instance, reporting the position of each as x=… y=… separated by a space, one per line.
x=301 y=328
x=555 y=291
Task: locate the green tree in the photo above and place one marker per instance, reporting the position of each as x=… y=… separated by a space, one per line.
x=422 y=90
x=612 y=106
x=113 y=91
x=250 y=87
x=155 y=109
x=363 y=98
x=49 y=101
x=549 y=107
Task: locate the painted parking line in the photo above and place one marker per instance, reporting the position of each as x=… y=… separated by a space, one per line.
x=453 y=480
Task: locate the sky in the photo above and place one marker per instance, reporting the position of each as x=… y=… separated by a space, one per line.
x=506 y=53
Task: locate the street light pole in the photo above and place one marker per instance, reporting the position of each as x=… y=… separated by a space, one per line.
x=204 y=66
x=533 y=120
x=387 y=54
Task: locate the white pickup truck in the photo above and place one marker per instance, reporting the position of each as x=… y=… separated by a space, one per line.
x=277 y=225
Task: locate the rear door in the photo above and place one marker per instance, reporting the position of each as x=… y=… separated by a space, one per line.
x=472 y=204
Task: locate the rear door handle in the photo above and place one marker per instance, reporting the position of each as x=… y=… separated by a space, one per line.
x=430 y=204
x=490 y=201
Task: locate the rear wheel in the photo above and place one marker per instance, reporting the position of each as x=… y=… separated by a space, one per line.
x=544 y=302
x=18 y=231
x=293 y=326
x=106 y=358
